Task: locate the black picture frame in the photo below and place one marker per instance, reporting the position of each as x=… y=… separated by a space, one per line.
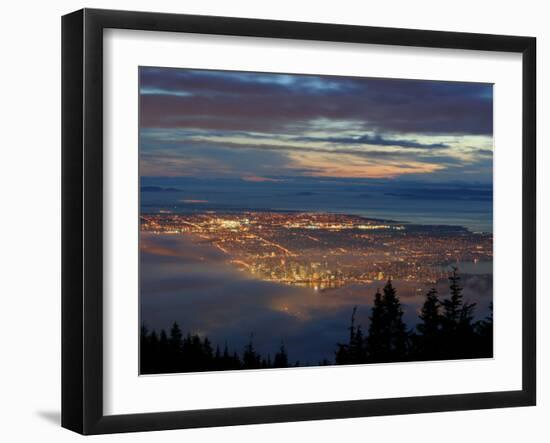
x=82 y=218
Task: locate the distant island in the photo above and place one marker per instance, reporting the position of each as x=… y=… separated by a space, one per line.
x=158 y=189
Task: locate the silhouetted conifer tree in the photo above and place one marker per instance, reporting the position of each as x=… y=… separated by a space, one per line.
x=356 y=352
x=251 y=359
x=344 y=351
x=236 y=361
x=428 y=343
x=388 y=336
x=175 y=337
x=230 y=361
x=156 y=357
x=458 y=331
x=484 y=329
x=207 y=354
x=453 y=305
x=281 y=358
x=376 y=337
x=145 y=357
x=163 y=340
x=393 y=321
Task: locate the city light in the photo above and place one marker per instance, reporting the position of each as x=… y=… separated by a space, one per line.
x=324 y=250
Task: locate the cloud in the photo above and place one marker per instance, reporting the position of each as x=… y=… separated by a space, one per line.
x=350 y=165
x=208 y=160
x=376 y=140
x=196 y=153
x=259 y=101
x=196 y=122
x=258 y=179
x=258 y=139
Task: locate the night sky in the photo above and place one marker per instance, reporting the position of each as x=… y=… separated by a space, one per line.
x=274 y=127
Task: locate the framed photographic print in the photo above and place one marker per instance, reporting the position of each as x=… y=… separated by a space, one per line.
x=269 y=221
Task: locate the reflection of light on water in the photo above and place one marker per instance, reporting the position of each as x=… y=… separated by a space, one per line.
x=292 y=311
x=191 y=200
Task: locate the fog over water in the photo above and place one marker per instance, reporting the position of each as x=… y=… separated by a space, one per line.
x=186 y=280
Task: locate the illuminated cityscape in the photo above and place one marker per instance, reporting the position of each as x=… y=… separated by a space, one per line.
x=324 y=250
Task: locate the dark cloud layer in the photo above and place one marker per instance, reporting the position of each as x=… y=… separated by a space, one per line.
x=236 y=124
x=376 y=140
x=267 y=102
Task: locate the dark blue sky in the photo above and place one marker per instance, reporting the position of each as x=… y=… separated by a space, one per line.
x=269 y=127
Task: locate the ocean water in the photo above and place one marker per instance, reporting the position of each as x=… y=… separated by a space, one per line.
x=468 y=205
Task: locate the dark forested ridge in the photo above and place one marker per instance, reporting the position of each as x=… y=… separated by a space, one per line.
x=162 y=353
x=445 y=331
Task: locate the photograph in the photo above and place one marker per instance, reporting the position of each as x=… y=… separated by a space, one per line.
x=294 y=220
